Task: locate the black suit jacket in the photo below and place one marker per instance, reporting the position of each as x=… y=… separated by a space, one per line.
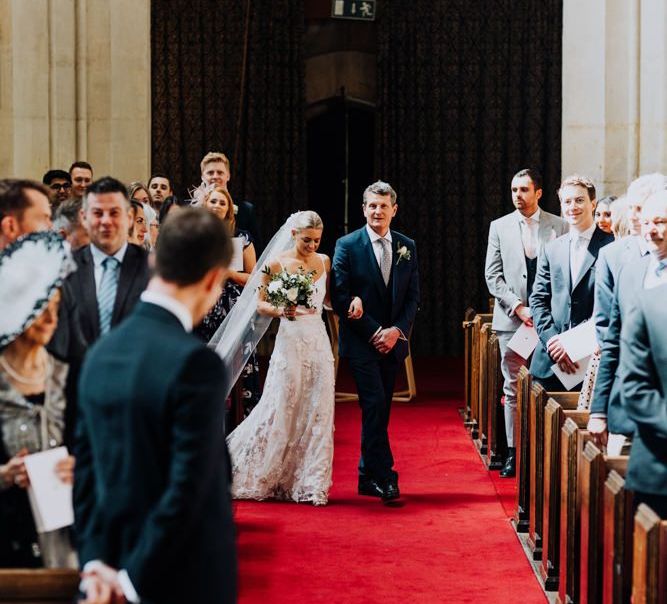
x=355 y=272
x=246 y=220
x=151 y=490
x=644 y=371
x=558 y=304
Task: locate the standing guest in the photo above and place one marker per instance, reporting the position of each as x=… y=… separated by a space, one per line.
x=81 y=173
x=24 y=208
x=138 y=228
x=563 y=291
x=139 y=192
x=216 y=170
x=69 y=224
x=59 y=184
x=511 y=263
x=606 y=405
x=151 y=494
x=603 y=211
x=219 y=202
x=111 y=273
x=159 y=187
x=644 y=371
x=379 y=266
x=32 y=397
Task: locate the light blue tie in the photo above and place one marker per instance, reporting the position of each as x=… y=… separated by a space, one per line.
x=106 y=296
x=662 y=265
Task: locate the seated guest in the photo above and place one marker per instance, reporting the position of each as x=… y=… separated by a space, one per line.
x=68 y=223
x=603 y=213
x=170 y=204
x=562 y=295
x=139 y=192
x=81 y=173
x=161 y=529
x=24 y=208
x=32 y=397
x=138 y=228
x=152 y=225
x=59 y=184
x=159 y=187
x=644 y=371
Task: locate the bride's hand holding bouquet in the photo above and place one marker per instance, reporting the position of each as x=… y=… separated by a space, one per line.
x=285 y=291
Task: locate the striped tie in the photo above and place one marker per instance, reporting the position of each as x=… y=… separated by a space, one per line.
x=106 y=296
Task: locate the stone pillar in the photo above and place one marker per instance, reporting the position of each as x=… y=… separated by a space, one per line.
x=75 y=80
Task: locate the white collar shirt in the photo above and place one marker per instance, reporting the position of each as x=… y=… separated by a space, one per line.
x=171 y=305
x=377 y=246
x=99 y=257
x=656 y=273
x=530 y=227
x=579 y=242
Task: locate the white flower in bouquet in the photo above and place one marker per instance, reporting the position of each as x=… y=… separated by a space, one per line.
x=285 y=289
x=274 y=287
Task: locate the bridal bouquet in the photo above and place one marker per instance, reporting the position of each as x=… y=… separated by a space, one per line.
x=289 y=289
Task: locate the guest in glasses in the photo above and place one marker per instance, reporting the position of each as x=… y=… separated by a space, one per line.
x=59 y=184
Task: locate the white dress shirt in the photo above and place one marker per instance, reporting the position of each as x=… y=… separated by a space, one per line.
x=99 y=257
x=656 y=273
x=176 y=308
x=377 y=246
x=579 y=243
x=529 y=232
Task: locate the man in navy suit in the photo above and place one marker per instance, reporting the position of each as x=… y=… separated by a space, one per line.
x=563 y=290
x=379 y=266
x=151 y=491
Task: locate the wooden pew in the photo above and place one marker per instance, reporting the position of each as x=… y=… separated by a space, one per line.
x=478 y=372
x=617 y=541
x=537 y=404
x=38 y=585
x=496 y=449
x=468 y=364
x=522 y=442
x=574 y=438
x=649 y=560
x=593 y=470
x=558 y=408
x=481 y=442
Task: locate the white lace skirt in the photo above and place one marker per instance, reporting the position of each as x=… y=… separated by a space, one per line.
x=284 y=448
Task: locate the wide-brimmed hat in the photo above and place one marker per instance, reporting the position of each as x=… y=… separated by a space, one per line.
x=31 y=269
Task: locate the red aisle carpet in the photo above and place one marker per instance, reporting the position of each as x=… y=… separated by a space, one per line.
x=451 y=541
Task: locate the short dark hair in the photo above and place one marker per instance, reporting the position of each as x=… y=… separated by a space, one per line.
x=51 y=175
x=13 y=200
x=191 y=243
x=81 y=164
x=531 y=173
x=170 y=201
x=106 y=184
x=159 y=175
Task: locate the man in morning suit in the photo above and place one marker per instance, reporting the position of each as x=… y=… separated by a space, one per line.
x=151 y=491
x=564 y=285
x=511 y=263
x=379 y=266
x=613 y=296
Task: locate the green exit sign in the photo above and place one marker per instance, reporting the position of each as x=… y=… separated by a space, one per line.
x=353 y=9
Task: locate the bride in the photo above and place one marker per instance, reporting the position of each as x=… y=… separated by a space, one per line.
x=284 y=448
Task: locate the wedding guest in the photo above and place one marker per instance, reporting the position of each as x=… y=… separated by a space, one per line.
x=24 y=208
x=603 y=213
x=159 y=187
x=153 y=227
x=151 y=492
x=511 y=263
x=219 y=202
x=59 y=184
x=81 y=173
x=644 y=371
x=68 y=223
x=563 y=291
x=32 y=397
x=170 y=205
x=138 y=228
x=138 y=191
x=610 y=263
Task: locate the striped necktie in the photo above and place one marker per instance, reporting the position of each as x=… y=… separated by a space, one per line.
x=385 y=261
x=106 y=296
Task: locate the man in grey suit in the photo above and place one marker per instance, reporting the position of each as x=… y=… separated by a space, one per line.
x=611 y=303
x=563 y=290
x=511 y=262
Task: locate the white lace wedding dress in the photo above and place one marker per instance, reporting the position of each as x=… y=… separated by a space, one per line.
x=284 y=448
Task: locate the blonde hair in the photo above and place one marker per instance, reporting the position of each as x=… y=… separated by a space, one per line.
x=578 y=180
x=642 y=188
x=214 y=156
x=138 y=186
x=620 y=224
x=307 y=220
x=230 y=218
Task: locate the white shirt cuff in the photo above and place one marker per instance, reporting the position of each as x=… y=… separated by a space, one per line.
x=130 y=593
x=597 y=416
x=379 y=329
x=402 y=336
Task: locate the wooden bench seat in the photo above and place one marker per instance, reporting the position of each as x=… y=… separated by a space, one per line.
x=649 y=559
x=38 y=586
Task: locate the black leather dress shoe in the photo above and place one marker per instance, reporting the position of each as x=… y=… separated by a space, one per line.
x=509 y=469
x=391 y=491
x=370 y=487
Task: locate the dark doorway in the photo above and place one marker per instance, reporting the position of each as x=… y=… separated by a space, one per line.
x=341 y=139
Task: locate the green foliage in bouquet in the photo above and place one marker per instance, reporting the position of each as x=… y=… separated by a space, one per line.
x=289 y=289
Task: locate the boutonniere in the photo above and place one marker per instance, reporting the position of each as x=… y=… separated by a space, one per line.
x=403 y=253
x=236 y=209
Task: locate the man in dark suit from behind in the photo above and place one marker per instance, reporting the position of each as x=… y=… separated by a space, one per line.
x=563 y=292
x=151 y=494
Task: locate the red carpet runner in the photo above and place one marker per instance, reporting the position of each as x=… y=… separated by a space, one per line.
x=451 y=541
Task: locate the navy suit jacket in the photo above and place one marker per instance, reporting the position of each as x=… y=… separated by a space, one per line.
x=557 y=303
x=644 y=370
x=151 y=490
x=607 y=395
x=355 y=272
